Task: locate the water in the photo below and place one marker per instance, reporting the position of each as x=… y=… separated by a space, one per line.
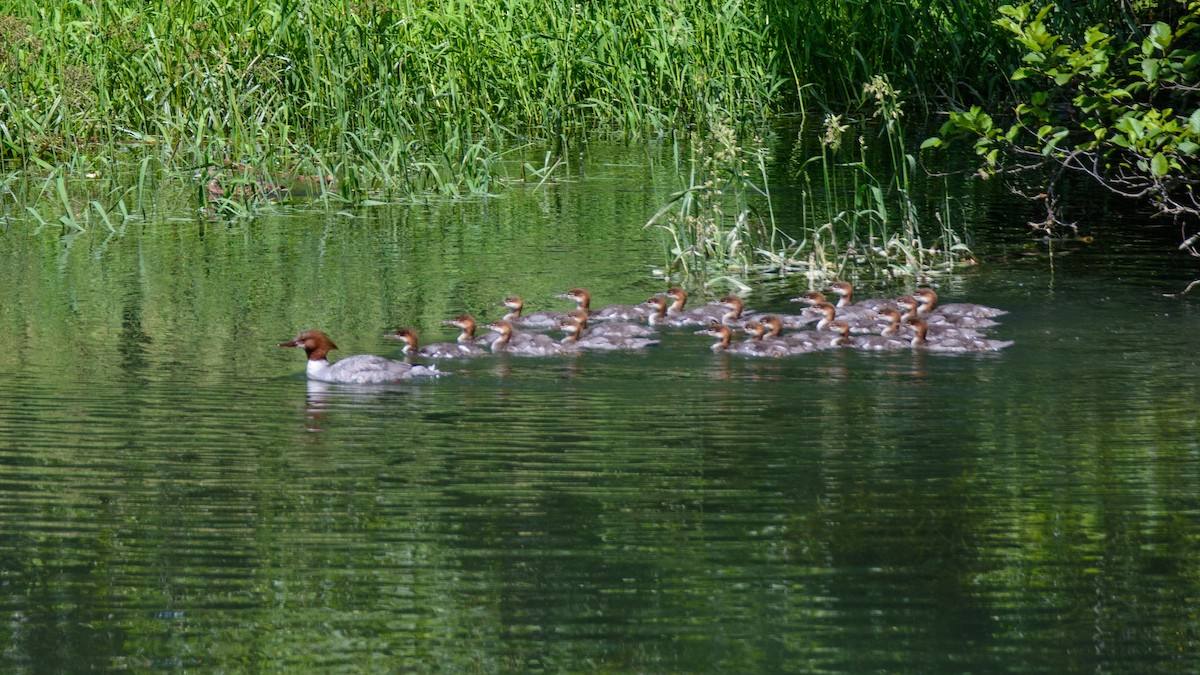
x=175 y=496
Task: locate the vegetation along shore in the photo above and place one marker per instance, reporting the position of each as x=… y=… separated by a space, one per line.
x=241 y=105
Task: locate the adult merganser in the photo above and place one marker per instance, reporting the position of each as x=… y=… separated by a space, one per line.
x=583 y=300
x=953 y=344
x=577 y=337
x=465 y=345
x=509 y=341
x=543 y=319
x=357 y=369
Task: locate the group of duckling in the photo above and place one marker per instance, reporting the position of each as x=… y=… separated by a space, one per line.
x=908 y=321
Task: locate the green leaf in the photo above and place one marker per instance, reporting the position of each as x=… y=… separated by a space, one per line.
x=1159 y=165
x=1131 y=126
x=1194 y=122
x=1054 y=141
x=1188 y=147
x=1150 y=69
x=1160 y=35
x=933 y=142
x=1020 y=13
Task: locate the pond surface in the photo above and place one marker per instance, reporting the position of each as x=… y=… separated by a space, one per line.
x=175 y=496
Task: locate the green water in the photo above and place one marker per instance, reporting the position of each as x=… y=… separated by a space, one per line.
x=175 y=496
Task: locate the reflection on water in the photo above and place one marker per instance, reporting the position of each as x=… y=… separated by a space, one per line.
x=175 y=495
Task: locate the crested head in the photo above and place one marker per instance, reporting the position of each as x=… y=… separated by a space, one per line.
x=408 y=336
x=463 y=321
x=656 y=302
x=925 y=296
x=715 y=329
x=734 y=304
x=720 y=331
x=810 y=298
x=828 y=313
x=572 y=327
x=679 y=298
x=843 y=333
x=503 y=330
x=579 y=296
x=773 y=324
x=466 y=324
x=920 y=327
x=578 y=315
x=842 y=288
x=315 y=343
x=893 y=318
x=502 y=327
x=906 y=302
x=513 y=302
x=754 y=329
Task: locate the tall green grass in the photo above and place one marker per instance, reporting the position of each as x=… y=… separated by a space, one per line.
x=718 y=226
x=383 y=97
x=353 y=101
x=859 y=215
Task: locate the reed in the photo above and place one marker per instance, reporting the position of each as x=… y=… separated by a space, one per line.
x=392 y=99
x=717 y=226
x=868 y=223
x=858 y=215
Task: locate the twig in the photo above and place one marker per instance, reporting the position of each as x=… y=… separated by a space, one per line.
x=1184 y=291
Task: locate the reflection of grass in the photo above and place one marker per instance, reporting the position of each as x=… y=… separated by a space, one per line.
x=854 y=222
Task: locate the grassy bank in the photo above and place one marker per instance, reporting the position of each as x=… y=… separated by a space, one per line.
x=404 y=96
x=414 y=96
x=243 y=103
